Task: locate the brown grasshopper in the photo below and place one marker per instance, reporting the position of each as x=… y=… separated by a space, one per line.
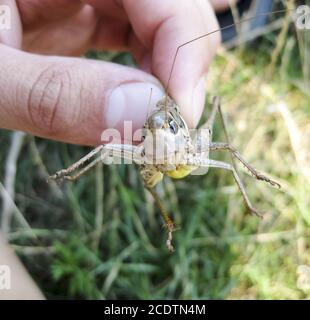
x=187 y=155
x=182 y=153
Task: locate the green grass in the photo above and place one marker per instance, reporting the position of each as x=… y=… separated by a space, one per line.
x=102 y=237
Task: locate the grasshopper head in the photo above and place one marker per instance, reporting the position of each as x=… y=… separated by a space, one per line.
x=166 y=133
x=167 y=117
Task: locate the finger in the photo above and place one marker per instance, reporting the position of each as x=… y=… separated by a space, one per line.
x=60 y=38
x=10 y=25
x=164 y=26
x=51 y=27
x=71 y=99
x=109 y=8
x=113 y=26
x=111 y=34
x=159 y=31
x=38 y=12
x=222 y=5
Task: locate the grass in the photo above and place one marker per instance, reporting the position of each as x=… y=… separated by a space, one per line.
x=102 y=236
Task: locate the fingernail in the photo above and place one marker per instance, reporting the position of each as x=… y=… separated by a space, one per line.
x=198 y=101
x=131 y=102
x=192 y=102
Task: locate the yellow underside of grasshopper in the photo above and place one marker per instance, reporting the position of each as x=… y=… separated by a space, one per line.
x=180 y=172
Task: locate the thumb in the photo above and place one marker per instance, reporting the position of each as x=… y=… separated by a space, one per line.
x=71 y=99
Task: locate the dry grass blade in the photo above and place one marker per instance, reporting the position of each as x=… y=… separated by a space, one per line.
x=8 y=189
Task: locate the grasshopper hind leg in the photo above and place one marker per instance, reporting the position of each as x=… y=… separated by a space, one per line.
x=235 y=155
x=215 y=146
x=228 y=166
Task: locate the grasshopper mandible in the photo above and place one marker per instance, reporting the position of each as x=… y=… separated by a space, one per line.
x=184 y=153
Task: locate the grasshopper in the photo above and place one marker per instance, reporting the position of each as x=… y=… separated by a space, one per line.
x=189 y=153
x=181 y=152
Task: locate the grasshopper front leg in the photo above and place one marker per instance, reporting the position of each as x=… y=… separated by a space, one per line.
x=115 y=150
x=65 y=173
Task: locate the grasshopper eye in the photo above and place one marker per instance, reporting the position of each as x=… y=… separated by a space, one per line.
x=156 y=121
x=173 y=127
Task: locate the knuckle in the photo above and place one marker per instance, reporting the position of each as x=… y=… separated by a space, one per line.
x=47 y=98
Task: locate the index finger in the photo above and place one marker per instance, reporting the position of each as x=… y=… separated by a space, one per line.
x=162 y=26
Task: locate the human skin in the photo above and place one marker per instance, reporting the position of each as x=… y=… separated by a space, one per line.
x=48 y=90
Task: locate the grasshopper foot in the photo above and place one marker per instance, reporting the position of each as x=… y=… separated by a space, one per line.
x=256 y=212
x=171 y=228
x=259 y=176
x=59 y=175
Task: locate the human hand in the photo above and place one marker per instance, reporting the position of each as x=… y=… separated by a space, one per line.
x=48 y=92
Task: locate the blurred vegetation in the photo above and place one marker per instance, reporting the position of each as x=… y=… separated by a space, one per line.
x=102 y=237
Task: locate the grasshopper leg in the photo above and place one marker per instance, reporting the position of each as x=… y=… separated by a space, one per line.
x=227 y=146
x=214 y=146
x=209 y=124
x=216 y=106
x=65 y=173
x=125 y=151
x=228 y=166
x=167 y=220
x=83 y=170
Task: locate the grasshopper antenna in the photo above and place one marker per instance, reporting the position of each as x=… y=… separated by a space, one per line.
x=149 y=104
x=212 y=32
x=147 y=113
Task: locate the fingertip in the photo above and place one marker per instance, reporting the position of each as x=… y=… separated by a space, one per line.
x=192 y=101
x=131 y=102
x=10 y=24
